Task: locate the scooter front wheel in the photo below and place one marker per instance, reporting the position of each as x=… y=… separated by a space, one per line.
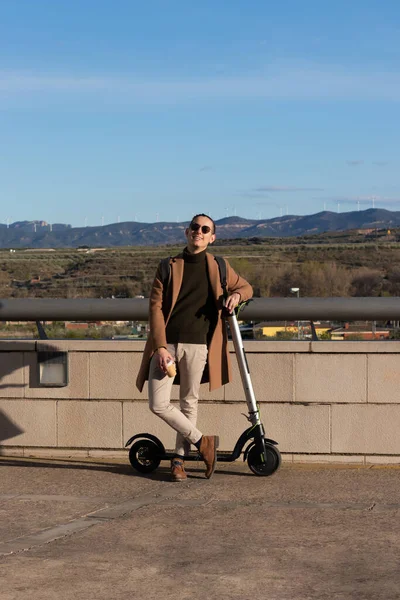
x=144 y=456
x=261 y=467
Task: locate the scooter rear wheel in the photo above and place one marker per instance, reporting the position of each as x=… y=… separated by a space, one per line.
x=259 y=467
x=144 y=456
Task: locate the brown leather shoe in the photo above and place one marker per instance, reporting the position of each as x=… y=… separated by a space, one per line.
x=178 y=472
x=208 y=450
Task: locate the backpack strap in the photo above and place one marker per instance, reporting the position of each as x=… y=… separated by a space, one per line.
x=165 y=268
x=222 y=274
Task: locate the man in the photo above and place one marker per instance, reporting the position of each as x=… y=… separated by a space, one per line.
x=186 y=327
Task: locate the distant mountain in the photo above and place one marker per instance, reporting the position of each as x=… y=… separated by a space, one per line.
x=39 y=234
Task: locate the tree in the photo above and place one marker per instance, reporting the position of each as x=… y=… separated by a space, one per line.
x=367 y=282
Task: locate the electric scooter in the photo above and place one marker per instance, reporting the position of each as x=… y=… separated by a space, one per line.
x=263 y=458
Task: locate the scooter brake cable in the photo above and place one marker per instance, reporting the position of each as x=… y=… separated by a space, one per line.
x=239 y=308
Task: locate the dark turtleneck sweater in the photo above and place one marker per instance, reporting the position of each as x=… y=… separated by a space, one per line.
x=195 y=308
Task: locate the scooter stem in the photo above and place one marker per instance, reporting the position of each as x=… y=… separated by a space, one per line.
x=254 y=415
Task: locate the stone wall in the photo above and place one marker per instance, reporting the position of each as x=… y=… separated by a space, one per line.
x=322 y=401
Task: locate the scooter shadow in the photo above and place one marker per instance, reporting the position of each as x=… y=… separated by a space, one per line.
x=69 y=464
x=162 y=473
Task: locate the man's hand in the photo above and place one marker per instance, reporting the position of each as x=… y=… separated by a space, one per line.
x=163 y=357
x=231 y=302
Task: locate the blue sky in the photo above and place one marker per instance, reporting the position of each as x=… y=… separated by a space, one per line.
x=128 y=110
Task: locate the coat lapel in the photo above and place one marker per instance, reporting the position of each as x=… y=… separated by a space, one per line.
x=213 y=274
x=176 y=280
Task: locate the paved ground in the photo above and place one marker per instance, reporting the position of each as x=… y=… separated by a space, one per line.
x=96 y=530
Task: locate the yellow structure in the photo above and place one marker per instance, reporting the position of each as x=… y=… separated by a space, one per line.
x=276 y=329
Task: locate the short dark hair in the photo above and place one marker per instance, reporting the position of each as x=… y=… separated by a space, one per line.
x=207 y=217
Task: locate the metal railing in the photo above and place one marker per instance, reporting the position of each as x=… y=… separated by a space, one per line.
x=258 y=309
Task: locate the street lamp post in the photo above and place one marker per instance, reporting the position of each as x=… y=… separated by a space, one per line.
x=296 y=290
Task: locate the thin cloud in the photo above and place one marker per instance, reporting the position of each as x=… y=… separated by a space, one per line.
x=354 y=163
x=285 y=188
x=206 y=168
x=20 y=82
x=248 y=194
x=380 y=163
x=283 y=81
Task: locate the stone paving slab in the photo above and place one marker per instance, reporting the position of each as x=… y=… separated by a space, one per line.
x=112 y=479
x=26 y=515
x=308 y=532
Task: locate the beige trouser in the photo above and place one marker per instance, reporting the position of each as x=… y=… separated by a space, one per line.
x=190 y=360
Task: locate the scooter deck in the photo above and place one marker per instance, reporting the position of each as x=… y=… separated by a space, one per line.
x=223 y=456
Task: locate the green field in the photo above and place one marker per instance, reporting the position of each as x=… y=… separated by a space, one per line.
x=325 y=265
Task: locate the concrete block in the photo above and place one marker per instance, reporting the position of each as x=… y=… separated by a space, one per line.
x=330 y=378
x=89 y=424
x=78 y=386
x=297 y=428
x=55 y=453
x=383 y=460
x=95 y=345
x=271 y=376
x=287 y=457
x=384 y=378
x=113 y=375
x=366 y=429
x=12 y=377
x=109 y=454
x=28 y=422
x=273 y=347
x=329 y=458
x=10 y=451
x=356 y=347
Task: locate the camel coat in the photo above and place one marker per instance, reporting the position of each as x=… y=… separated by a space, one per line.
x=217 y=371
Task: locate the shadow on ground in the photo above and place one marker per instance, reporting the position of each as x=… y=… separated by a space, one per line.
x=161 y=474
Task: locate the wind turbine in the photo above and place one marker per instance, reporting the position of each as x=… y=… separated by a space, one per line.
x=260 y=204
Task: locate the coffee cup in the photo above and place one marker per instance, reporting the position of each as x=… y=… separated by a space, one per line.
x=171 y=369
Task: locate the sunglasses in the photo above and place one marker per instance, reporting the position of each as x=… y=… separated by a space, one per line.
x=197 y=226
